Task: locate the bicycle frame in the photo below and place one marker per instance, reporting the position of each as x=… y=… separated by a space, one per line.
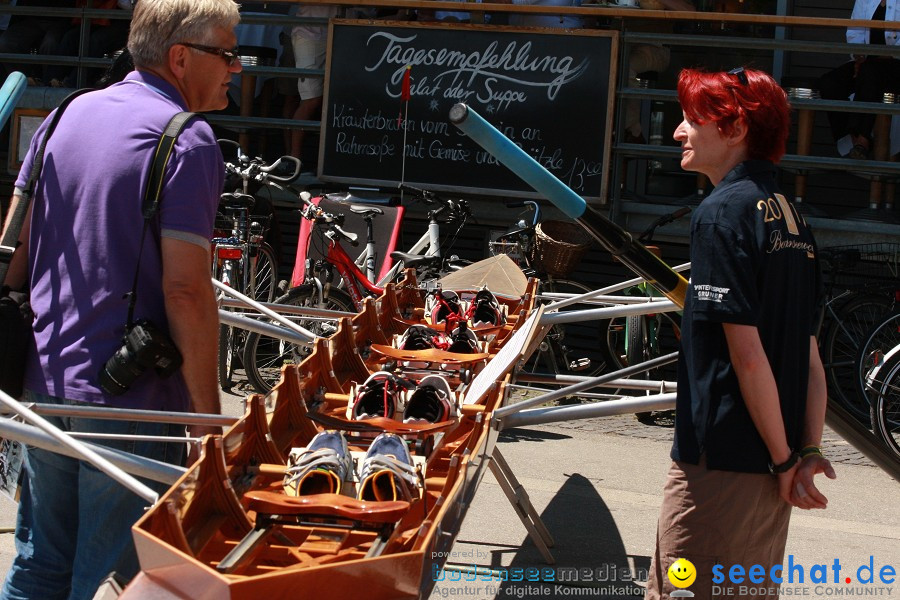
x=350 y=273
x=430 y=240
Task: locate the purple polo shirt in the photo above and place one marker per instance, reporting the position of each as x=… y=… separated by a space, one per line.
x=86 y=233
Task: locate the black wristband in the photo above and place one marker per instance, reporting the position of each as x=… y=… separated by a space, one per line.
x=786 y=465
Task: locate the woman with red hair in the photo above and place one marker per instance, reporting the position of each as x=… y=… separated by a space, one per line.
x=751 y=388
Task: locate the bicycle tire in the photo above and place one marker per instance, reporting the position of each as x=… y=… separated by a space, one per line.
x=885 y=411
x=879 y=340
x=227 y=349
x=839 y=349
x=265 y=273
x=566 y=347
x=264 y=355
x=226 y=357
x=637 y=350
x=614 y=332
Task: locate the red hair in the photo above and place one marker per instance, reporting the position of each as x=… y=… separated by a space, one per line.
x=743 y=94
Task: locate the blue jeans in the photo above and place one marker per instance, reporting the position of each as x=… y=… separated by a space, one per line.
x=74 y=522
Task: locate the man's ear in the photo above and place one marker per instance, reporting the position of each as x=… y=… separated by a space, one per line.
x=177 y=60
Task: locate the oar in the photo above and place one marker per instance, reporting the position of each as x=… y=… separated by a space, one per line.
x=613 y=238
x=10 y=93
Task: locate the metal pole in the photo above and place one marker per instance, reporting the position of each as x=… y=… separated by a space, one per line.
x=291 y=309
x=629 y=384
x=81 y=450
x=599 y=314
x=586 y=385
x=266 y=311
x=87 y=435
x=555 y=414
x=129 y=414
x=136 y=465
x=263 y=328
x=607 y=290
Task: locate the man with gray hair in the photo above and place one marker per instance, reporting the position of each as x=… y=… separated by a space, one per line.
x=79 y=251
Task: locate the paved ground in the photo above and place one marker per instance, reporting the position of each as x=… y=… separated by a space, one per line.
x=597 y=486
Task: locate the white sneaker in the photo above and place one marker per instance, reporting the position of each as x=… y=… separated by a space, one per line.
x=388 y=472
x=322 y=468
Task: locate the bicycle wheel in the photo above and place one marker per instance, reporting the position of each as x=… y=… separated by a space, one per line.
x=571 y=348
x=659 y=334
x=841 y=344
x=264 y=356
x=880 y=340
x=265 y=274
x=885 y=412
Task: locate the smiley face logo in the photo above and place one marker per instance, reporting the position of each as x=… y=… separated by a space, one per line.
x=682 y=573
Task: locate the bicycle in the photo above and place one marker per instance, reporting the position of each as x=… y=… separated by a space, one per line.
x=336 y=283
x=883 y=383
x=566 y=349
x=861 y=289
x=241 y=258
x=636 y=339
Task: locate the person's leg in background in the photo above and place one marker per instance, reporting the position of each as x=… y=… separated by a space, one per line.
x=838 y=84
x=872 y=81
x=308 y=54
x=287 y=86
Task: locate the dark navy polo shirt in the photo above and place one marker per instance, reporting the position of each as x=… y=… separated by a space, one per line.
x=753 y=262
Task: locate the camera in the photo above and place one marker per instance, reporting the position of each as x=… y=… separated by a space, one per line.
x=144 y=346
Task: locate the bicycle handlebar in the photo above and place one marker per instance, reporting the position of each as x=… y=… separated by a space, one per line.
x=456 y=206
x=536 y=216
x=255 y=169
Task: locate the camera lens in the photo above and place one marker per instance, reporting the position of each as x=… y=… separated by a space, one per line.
x=119 y=372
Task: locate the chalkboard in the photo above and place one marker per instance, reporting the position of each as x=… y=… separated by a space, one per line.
x=550 y=91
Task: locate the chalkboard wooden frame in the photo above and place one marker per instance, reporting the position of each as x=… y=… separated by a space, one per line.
x=545 y=100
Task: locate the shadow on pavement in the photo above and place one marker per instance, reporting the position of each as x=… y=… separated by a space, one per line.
x=530 y=435
x=590 y=555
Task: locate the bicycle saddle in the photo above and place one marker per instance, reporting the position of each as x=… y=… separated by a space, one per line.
x=415 y=260
x=365 y=211
x=237 y=201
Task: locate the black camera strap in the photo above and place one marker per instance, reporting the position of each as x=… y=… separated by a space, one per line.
x=10 y=241
x=150 y=204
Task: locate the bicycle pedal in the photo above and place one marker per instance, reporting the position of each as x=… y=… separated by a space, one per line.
x=580 y=364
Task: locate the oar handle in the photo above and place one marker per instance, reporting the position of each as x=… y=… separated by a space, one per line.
x=609 y=235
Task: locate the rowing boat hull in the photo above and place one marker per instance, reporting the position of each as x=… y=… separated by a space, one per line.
x=186 y=538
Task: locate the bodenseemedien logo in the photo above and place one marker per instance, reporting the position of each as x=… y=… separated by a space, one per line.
x=682 y=574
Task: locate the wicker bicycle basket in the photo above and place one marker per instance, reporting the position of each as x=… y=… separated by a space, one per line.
x=558 y=247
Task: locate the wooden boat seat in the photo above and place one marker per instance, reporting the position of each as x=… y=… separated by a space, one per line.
x=431 y=355
x=326 y=505
x=335 y=419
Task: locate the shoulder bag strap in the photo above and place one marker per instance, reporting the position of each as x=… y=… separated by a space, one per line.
x=150 y=205
x=158 y=169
